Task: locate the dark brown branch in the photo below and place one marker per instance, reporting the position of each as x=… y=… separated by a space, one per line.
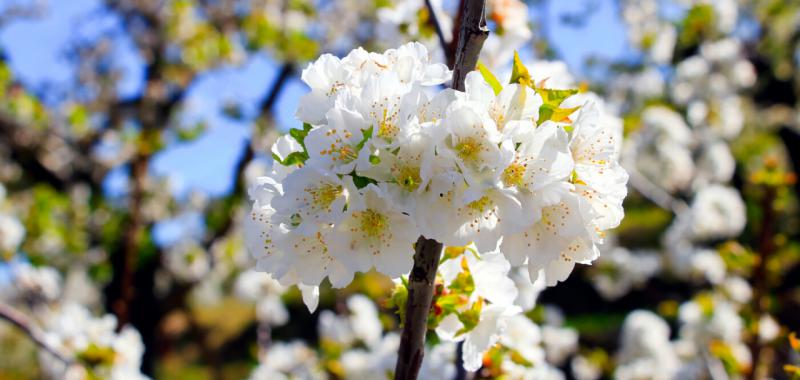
x=760 y=280
x=286 y=71
x=472 y=35
x=422 y=279
x=155 y=108
x=22 y=322
x=420 y=295
x=461 y=372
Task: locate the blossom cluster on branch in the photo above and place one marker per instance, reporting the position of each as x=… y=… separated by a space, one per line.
x=525 y=174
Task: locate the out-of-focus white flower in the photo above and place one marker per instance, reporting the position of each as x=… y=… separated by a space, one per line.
x=29 y=284
x=293 y=360
x=12 y=232
x=364 y=319
x=583 y=368
x=706 y=263
x=619 y=270
x=409 y=21
x=80 y=288
x=266 y=292
x=661 y=149
x=646 y=352
x=768 y=328
x=187 y=261
x=93 y=342
x=439 y=362
x=513 y=31
x=559 y=343
x=715 y=165
x=737 y=289
x=362 y=324
x=713 y=318
x=553 y=74
x=372 y=364
x=717 y=212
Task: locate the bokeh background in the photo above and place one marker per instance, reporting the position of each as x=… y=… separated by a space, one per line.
x=130 y=129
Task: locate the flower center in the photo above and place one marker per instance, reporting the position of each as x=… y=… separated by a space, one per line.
x=323 y=196
x=468 y=149
x=481 y=204
x=408 y=178
x=342 y=152
x=513 y=175
x=372 y=223
x=386 y=127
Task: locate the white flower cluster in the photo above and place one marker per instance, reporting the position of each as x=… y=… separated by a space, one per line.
x=357 y=344
x=96 y=349
x=683 y=150
x=476 y=301
x=94 y=343
x=384 y=157
x=12 y=232
x=354 y=345
x=620 y=270
x=710 y=332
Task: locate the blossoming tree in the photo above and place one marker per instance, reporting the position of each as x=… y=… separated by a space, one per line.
x=444 y=183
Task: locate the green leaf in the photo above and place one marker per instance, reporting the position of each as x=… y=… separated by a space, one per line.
x=490 y=78
x=191 y=133
x=362 y=182
x=399 y=299
x=549 y=112
x=470 y=318
x=463 y=283
x=555 y=97
x=294 y=158
x=519 y=73
x=449 y=303
x=367 y=134
x=300 y=134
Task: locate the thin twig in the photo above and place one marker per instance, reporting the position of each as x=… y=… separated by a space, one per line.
x=760 y=283
x=24 y=323
x=446 y=46
x=421 y=281
x=461 y=372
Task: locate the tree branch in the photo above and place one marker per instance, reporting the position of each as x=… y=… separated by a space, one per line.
x=759 y=278
x=420 y=295
x=472 y=35
x=22 y=322
x=422 y=279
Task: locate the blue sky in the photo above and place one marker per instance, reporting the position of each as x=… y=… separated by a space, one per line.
x=36 y=52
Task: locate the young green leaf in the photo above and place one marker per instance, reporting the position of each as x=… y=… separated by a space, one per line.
x=490 y=78
x=519 y=73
